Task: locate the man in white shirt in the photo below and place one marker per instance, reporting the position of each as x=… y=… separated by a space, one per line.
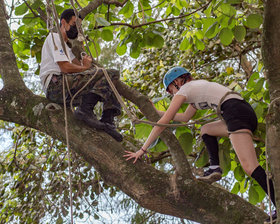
x=58 y=59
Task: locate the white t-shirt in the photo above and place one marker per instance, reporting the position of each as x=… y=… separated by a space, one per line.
x=50 y=57
x=202 y=94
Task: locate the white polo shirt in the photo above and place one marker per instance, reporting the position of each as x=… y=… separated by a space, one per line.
x=50 y=57
x=202 y=94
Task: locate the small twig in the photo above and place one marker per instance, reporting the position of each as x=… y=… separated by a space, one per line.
x=152 y=7
x=161 y=156
x=34 y=13
x=157 y=21
x=78 y=4
x=16 y=147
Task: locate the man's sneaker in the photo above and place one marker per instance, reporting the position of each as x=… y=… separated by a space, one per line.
x=274 y=218
x=211 y=175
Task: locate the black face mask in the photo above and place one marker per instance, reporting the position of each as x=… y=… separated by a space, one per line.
x=72 y=33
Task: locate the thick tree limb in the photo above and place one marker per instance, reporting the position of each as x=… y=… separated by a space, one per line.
x=271 y=55
x=8 y=64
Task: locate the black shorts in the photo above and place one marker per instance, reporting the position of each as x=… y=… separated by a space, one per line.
x=238 y=114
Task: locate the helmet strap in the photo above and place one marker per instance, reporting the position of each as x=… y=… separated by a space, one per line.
x=177 y=87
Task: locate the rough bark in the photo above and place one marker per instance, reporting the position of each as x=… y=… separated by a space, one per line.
x=183 y=197
x=94 y=5
x=271 y=55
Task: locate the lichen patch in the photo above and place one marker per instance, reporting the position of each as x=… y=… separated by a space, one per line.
x=37 y=110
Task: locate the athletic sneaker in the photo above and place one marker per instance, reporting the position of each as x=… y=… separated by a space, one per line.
x=211 y=175
x=274 y=218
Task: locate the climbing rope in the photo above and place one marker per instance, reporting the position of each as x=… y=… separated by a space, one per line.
x=68 y=149
x=52 y=15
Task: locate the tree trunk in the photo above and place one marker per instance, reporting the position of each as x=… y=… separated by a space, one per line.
x=271 y=56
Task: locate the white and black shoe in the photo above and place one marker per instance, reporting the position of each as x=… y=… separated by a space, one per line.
x=211 y=175
x=274 y=218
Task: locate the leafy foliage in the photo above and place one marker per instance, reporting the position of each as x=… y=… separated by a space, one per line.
x=215 y=43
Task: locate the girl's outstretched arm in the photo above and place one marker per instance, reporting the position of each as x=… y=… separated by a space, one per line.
x=186 y=116
x=175 y=104
x=181 y=117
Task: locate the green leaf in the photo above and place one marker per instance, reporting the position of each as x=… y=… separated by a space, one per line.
x=102 y=21
x=260 y=191
x=186 y=142
x=37 y=4
x=184 y=3
x=239 y=173
x=59 y=220
x=243 y=186
x=224 y=157
x=235 y=188
x=135 y=50
x=212 y=30
x=226 y=36
x=121 y=49
x=148 y=38
x=207 y=22
x=185 y=44
x=168 y=10
x=253 y=77
x=178 y=4
x=93 y=49
x=233 y=1
x=239 y=33
x=158 y=41
x=227 y=9
x=20 y=10
x=96 y=216
x=142 y=130
x=127 y=10
x=258 y=109
x=254 y=21
x=258 y=86
x=29 y=19
x=199 y=44
x=253 y=195
x=203 y=159
x=175 y=11
x=107 y=35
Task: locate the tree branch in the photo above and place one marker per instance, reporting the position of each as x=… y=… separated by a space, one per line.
x=115 y=2
x=8 y=64
x=158 y=21
x=95 y=4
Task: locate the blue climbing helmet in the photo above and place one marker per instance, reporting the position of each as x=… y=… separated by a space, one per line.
x=173 y=74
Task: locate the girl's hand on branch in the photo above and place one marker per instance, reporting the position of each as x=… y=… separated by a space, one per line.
x=136 y=155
